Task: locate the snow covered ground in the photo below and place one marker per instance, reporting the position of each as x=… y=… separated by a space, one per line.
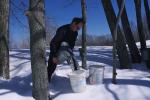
x=147 y=43
x=132 y=84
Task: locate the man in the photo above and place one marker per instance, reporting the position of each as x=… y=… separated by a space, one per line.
x=66 y=33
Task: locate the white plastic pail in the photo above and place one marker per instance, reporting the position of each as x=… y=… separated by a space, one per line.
x=78 y=81
x=96 y=74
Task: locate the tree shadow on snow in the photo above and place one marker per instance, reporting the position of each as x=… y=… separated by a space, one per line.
x=20 y=54
x=98 y=56
x=112 y=92
x=21 y=50
x=19 y=85
x=136 y=82
x=95 y=56
x=19 y=67
x=60 y=85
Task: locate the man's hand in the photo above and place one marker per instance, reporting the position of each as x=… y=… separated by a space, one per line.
x=55 y=60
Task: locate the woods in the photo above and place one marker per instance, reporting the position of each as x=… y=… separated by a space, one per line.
x=121 y=45
x=41 y=32
x=134 y=52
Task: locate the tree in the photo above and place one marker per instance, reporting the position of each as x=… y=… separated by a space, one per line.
x=147 y=10
x=145 y=28
x=121 y=45
x=36 y=18
x=135 y=55
x=4 y=38
x=84 y=51
x=140 y=24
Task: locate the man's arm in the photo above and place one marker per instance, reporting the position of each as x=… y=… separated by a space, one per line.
x=73 y=44
x=56 y=41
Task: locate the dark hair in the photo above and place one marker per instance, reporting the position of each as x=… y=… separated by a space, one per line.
x=77 y=20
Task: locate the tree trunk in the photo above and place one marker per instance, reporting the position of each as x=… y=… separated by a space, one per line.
x=147 y=10
x=4 y=38
x=135 y=55
x=84 y=51
x=36 y=17
x=140 y=24
x=121 y=45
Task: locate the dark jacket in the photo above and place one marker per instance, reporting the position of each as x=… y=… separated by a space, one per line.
x=63 y=34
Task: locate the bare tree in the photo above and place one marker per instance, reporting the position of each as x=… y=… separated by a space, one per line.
x=135 y=55
x=121 y=45
x=147 y=10
x=36 y=18
x=4 y=38
x=134 y=31
x=84 y=51
x=139 y=23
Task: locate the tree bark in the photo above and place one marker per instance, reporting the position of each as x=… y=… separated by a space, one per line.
x=84 y=33
x=147 y=10
x=134 y=52
x=140 y=24
x=4 y=39
x=121 y=45
x=36 y=18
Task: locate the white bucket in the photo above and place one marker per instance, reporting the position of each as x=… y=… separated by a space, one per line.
x=78 y=81
x=96 y=74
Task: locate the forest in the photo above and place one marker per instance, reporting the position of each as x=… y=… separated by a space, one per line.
x=120 y=44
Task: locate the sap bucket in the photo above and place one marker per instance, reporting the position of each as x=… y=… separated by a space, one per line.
x=78 y=81
x=96 y=74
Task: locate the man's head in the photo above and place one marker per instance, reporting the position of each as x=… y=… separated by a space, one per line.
x=77 y=24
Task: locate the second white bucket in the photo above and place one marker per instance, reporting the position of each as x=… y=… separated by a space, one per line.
x=78 y=81
x=96 y=74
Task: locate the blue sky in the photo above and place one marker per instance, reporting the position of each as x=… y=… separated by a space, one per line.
x=62 y=13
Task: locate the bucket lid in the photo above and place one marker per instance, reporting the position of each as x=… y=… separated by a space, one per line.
x=96 y=66
x=77 y=73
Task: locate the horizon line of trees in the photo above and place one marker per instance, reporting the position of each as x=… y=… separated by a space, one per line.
x=92 y=40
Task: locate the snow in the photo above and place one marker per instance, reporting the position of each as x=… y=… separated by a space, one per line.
x=132 y=84
x=147 y=43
